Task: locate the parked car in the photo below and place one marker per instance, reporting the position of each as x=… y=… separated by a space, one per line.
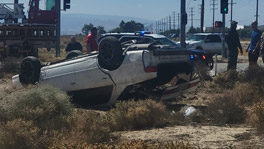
x=200 y=56
x=102 y=78
x=209 y=42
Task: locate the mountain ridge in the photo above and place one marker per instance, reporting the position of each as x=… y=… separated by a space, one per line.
x=73 y=23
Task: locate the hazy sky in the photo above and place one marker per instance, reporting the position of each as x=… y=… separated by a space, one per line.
x=243 y=10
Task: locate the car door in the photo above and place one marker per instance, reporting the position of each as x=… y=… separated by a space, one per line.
x=60 y=75
x=89 y=75
x=213 y=43
x=93 y=86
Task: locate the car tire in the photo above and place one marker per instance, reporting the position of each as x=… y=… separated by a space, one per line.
x=73 y=54
x=29 y=70
x=110 y=53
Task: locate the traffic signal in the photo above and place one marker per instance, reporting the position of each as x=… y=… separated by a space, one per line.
x=66 y=4
x=224 y=6
x=218 y=24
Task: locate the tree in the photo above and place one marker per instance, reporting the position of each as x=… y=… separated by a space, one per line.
x=133 y=26
x=129 y=27
x=193 y=30
x=101 y=30
x=86 y=28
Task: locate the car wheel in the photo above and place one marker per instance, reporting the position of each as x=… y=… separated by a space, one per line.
x=29 y=70
x=73 y=54
x=110 y=53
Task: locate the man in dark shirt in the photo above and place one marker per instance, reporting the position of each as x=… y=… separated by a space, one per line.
x=253 y=50
x=73 y=45
x=233 y=43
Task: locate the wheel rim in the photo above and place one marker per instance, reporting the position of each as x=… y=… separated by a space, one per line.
x=107 y=52
x=27 y=70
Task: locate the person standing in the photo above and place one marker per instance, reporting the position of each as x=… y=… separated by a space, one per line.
x=91 y=41
x=261 y=46
x=233 y=43
x=253 y=50
x=73 y=45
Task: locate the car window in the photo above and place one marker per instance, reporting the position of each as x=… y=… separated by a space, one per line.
x=124 y=39
x=213 y=38
x=165 y=41
x=197 y=37
x=140 y=40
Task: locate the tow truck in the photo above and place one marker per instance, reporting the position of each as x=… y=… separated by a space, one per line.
x=21 y=35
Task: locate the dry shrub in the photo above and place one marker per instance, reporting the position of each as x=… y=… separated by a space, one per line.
x=245 y=93
x=226 y=80
x=50 y=56
x=138 y=144
x=86 y=127
x=254 y=75
x=257 y=116
x=129 y=144
x=9 y=67
x=30 y=117
x=225 y=109
x=21 y=134
x=131 y=115
x=47 y=107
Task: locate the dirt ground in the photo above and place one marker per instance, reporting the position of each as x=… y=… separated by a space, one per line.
x=201 y=135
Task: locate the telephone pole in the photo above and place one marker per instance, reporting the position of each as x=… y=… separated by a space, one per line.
x=58 y=29
x=202 y=16
x=169 y=22
x=183 y=23
x=257 y=12
x=174 y=19
x=191 y=14
x=178 y=20
x=214 y=4
x=231 y=15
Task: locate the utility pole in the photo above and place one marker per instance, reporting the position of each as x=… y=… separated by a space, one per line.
x=183 y=23
x=15 y=3
x=174 y=19
x=178 y=20
x=257 y=12
x=169 y=22
x=202 y=16
x=214 y=4
x=163 y=23
x=156 y=27
x=58 y=28
x=231 y=15
x=191 y=14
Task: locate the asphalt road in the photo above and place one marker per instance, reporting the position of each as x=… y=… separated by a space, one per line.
x=221 y=67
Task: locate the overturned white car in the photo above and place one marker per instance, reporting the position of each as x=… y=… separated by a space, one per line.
x=115 y=72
